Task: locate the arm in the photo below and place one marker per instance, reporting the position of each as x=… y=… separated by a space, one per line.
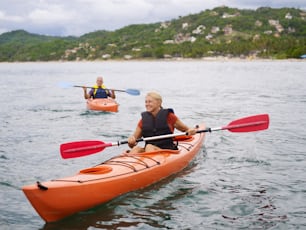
x=86 y=95
x=112 y=94
x=132 y=139
x=184 y=128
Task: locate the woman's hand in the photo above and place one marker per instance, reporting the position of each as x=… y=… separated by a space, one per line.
x=132 y=141
x=191 y=131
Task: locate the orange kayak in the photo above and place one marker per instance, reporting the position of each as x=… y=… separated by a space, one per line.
x=60 y=198
x=103 y=104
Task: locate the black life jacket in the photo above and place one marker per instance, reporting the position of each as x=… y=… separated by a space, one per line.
x=155 y=126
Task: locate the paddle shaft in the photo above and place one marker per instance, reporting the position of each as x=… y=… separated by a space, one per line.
x=133 y=92
x=84 y=148
x=91 y=87
x=229 y=127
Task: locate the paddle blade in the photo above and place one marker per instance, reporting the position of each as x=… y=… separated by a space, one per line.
x=65 y=85
x=134 y=92
x=81 y=148
x=249 y=124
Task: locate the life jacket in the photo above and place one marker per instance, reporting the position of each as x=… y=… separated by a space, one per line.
x=100 y=92
x=155 y=126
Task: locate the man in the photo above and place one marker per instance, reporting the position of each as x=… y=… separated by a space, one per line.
x=156 y=121
x=99 y=91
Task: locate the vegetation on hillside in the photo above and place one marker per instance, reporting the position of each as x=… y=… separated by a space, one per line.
x=222 y=31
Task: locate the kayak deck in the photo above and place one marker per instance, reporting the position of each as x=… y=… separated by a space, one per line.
x=103 y=104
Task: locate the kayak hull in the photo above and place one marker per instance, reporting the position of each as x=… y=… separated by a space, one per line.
x=102 y=104
x=56 y=199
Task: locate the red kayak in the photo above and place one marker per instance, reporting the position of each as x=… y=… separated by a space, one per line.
x=59 y=198
x=103 y=104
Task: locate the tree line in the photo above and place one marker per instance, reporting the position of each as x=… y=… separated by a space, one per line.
x=222 y=31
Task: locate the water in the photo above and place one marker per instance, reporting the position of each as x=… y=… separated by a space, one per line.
x=238 y=180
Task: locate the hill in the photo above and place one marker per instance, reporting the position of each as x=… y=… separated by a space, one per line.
x=222 y=31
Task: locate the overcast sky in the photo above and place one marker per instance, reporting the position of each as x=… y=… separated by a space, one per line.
x=77 y=17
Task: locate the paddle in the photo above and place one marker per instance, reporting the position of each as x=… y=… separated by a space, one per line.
x=84 y=148
x=133 y=92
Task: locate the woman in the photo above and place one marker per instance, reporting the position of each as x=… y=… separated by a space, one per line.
x=156 y=121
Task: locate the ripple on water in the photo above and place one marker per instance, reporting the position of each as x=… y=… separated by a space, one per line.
x=240 y=181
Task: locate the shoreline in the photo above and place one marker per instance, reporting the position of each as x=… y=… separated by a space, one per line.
x=205 y=59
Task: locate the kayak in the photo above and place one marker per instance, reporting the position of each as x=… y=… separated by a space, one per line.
x=103 y=104
x=59 y=198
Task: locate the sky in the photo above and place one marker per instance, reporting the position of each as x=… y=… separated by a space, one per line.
x=78 y=17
